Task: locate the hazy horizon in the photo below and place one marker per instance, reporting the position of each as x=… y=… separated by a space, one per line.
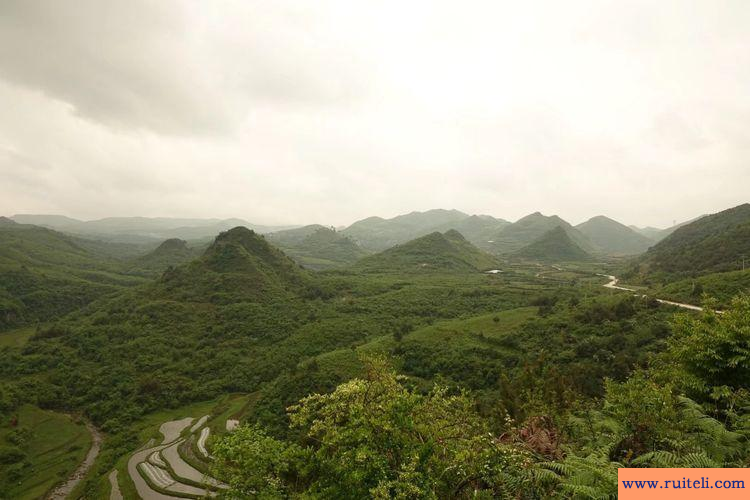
x=574 y=222
x=285 y=113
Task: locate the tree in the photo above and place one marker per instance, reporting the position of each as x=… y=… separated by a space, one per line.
x=376 y=438
x=713 y=350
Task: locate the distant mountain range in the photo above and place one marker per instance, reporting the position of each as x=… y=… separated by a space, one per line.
x=322 y=247
x=141 y=229
x=51 y=272
x=376 y=233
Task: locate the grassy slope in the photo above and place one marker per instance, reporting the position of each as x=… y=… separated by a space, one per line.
x=54 y=449
x=17 y=337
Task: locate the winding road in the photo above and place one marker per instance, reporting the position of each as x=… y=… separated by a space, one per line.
x=614 y=285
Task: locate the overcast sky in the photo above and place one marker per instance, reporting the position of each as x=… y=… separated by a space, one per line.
x=329 y=111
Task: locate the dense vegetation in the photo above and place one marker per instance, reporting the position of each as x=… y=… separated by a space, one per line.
x=318 y=247
x=170 y=253
x=45 y=274
x=379 y=436
x=714 y=243
x=411 y=373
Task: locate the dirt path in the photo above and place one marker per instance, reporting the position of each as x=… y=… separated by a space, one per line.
x=63 y=490
x=115 y=493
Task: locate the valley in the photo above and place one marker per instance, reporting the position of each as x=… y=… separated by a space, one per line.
x=193 y=355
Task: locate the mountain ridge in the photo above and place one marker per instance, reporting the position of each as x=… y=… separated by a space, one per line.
x=555 y=245
x=613 y=237
x=448 y=251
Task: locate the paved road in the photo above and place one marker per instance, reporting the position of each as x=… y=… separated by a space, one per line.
x=614 y=284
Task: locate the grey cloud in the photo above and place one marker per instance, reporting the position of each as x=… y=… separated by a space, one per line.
x=144 y=65
x=120 y=63
x=289 y=111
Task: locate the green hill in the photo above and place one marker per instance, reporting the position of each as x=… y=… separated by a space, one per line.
x=434 y=252
x=239 y=266
x=317 y=247
x=612 y=237
x=45 y=274
x=713 y=243
x=170 y=253
x=554 y=246
x=532 y=227
x=478 y=229
x=376 y=233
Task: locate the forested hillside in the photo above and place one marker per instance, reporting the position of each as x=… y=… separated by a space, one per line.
x=713 y=243
x=318 y=247
x=170 y=253
x=45 y=274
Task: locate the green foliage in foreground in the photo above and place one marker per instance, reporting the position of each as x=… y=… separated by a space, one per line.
x=381 y=437
x=375 y=438
x=714 y=353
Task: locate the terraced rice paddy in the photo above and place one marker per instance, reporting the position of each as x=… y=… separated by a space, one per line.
x=202 y=442
x=161 y=472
